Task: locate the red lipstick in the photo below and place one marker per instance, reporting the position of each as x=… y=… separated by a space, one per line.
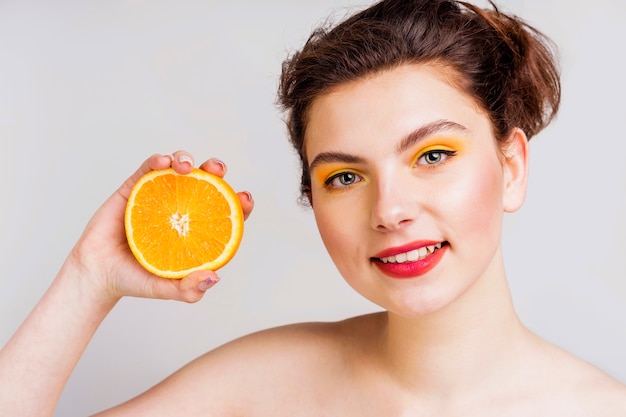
x=410 y=269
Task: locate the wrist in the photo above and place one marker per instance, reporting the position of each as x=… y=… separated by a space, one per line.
x=86 y=284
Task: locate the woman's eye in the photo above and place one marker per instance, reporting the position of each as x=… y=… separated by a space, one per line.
x=435 y=157
x=344 y=179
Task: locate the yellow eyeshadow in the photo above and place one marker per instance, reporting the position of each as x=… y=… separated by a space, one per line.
x=322 y=174
x=446 y=143
x=441 y=144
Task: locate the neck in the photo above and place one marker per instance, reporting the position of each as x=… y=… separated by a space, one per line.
x=473 y=341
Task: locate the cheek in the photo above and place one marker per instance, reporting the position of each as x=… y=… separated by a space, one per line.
x=338 y=229
x=477 y=206
x=329 y=226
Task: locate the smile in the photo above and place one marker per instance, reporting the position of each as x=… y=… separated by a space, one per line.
x=410 y=262
x=411 y=256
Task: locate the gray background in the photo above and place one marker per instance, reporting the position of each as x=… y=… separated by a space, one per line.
x=88 y=89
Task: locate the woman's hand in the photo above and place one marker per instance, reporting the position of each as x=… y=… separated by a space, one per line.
x=37 y=361
x=104 y=260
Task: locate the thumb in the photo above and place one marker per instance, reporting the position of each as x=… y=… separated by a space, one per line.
x=197 y=283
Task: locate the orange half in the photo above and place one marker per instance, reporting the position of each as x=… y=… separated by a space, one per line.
x=177 y=224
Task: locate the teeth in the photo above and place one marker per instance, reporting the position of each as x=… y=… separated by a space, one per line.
x=411 y=256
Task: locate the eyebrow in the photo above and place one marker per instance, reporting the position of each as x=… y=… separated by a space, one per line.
x=410 y=140
x=330 y=157
x=428 y=130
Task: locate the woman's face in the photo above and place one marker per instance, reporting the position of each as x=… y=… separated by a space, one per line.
x=409 y=187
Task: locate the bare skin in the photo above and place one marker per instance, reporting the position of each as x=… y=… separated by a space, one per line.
x=39 y=358
x=341 y=369
x=449 y=343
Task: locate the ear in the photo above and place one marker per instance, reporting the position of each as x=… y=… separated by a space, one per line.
x=515 y=166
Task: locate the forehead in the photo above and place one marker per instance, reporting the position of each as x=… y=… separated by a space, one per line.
x=386 y=106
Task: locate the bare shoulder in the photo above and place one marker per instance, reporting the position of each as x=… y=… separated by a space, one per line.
x=572 y=385
x=289 y=365
x=306 y=344
x=595 y=389
x=293 y=363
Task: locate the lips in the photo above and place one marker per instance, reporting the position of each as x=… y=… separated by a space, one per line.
x=411 y=260
x=413 y=255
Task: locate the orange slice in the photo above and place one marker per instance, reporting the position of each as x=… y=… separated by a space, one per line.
x=177 y=224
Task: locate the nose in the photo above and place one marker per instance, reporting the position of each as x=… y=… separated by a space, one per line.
x=393 y=206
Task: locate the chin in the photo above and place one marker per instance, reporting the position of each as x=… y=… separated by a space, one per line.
x=417 y=311
x=414 y=306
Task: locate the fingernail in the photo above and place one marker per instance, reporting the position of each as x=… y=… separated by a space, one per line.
x=220 y=163
x=208 y=283
x=247 y=193
x=185 y=159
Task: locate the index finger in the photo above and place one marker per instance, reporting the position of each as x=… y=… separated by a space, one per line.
x=215 y=166
x=156 y=161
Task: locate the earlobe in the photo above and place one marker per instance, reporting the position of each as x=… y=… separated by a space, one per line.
x=515 y=166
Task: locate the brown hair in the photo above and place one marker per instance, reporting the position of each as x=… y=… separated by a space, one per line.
x=504 y=64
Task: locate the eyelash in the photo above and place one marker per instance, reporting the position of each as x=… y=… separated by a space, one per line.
x=443 y=152
x=328 y=184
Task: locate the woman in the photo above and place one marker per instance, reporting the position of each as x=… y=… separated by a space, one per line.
x=412 y=121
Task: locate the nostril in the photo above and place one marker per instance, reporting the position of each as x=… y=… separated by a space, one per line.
x=392 y=207
x=392 y=225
